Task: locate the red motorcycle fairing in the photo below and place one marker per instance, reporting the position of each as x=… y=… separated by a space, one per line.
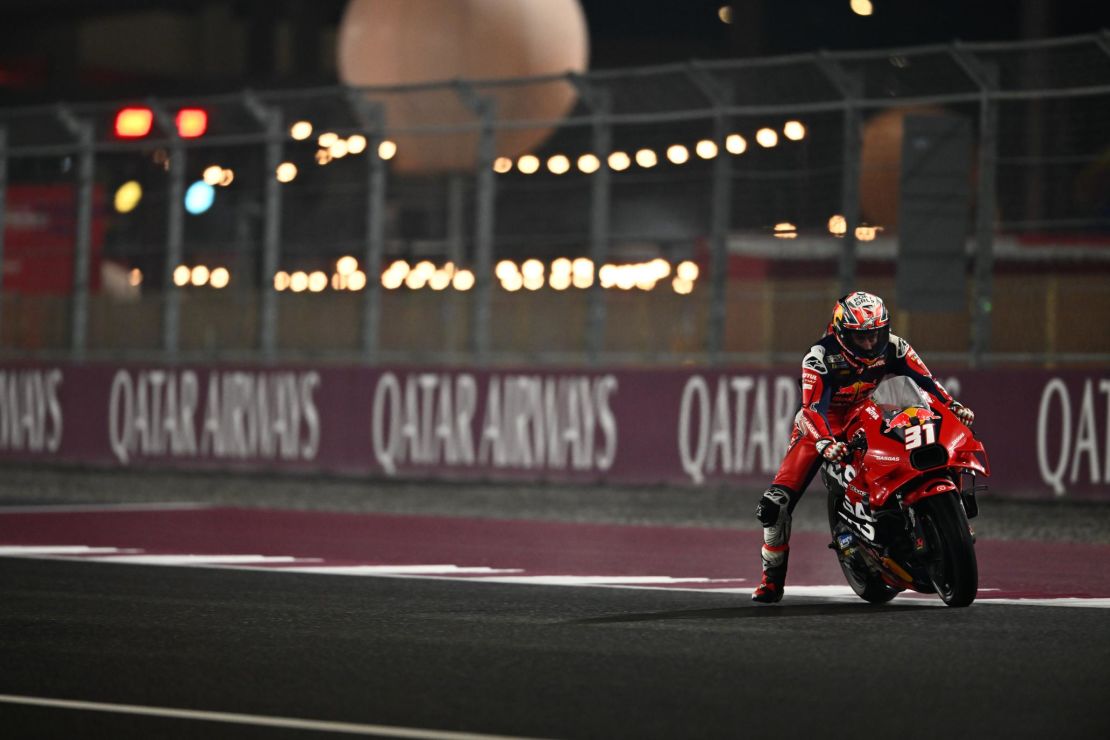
x=896 y=440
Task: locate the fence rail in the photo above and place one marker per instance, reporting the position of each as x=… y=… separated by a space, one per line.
x=740 y=168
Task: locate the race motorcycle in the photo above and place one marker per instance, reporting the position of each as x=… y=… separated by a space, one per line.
x=899 y=504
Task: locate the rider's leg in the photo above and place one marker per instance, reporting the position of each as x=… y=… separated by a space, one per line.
x=774 y=513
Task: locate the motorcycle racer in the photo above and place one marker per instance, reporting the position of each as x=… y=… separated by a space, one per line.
x=838 y=372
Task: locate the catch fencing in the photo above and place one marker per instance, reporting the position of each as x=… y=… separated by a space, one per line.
x=708 y=212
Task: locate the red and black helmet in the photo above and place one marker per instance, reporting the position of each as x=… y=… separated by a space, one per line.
x=862 y=325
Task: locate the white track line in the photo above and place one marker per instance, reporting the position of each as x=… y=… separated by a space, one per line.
x=137 y=506
x=46 y=550
x=349 y=728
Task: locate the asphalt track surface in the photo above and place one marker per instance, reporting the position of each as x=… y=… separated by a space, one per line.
x=670 y=646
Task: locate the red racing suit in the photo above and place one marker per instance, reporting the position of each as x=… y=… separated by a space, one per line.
x=833 y=382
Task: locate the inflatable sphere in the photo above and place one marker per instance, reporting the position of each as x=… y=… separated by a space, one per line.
x=384 y=43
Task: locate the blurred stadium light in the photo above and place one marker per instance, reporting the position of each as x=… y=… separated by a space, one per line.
x=764 y=186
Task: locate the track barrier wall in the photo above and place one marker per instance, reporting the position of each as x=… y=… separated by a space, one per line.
x=1047 y=432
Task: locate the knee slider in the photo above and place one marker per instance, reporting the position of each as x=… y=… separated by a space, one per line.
x=774 y=507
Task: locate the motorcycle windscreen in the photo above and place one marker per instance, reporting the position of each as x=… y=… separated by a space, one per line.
x=899 y=391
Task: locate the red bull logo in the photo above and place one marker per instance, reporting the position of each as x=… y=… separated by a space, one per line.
x=907 y=417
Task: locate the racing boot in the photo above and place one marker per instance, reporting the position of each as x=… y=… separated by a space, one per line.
x=773 y=513
x=771 y=587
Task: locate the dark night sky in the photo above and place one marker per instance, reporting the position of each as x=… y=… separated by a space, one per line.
x=37 y=61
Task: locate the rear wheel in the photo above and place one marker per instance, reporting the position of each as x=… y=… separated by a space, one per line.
x=867 y=585
x=951 y=566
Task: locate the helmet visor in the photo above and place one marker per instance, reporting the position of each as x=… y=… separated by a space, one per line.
x=869 y=343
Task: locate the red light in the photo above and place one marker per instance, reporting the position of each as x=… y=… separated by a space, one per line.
x=192 y=122
x=134 y=123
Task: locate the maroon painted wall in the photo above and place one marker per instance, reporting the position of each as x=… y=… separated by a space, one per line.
x=1048 y=433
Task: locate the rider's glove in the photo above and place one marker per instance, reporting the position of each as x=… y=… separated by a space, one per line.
x=831 y=450
x=963 y=413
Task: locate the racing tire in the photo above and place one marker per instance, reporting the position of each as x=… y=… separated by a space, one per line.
x=868 y=586
x=952 y=566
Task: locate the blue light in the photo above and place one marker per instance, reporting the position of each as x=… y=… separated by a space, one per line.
x=199 y=197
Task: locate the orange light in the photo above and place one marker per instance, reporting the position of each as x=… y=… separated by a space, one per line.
x=134 y=123
x=191 y=122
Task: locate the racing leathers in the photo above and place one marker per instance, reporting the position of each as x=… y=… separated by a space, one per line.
x=833 y=383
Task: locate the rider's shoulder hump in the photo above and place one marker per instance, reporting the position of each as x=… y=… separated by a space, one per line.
x=815 y=359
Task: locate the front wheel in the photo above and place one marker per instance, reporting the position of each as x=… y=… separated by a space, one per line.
x=867 y=585
x=951 y=565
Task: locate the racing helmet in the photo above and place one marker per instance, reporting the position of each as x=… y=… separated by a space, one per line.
x=861 y=324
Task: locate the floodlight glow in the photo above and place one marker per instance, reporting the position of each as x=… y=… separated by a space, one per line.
x=528 y=164
x=317 y=281
x=134 y=123
x=706 y=149
x=678 y=154
x=219 y=278
x=558 y=164
x=300 y=130
x=199 y=275
x=619 y=161
x=862 y=7
x=559 y=280
x=286 y=171
x=416 y=279
x=786 y=230
x=128 y=196
x=338 y=149
x=439 y=280
x=687 y=271
x=583 y=271
x=356 y=144
x=213 y=174
x=387 y=149
x=191 y=122
x=867 y=233
x=532 y=269
x=463 y=280
x=794 y=130
x=766 y=137
x=346 y=265
x=199 y=197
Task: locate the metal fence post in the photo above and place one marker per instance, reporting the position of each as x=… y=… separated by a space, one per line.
x=3 y=218
x=600 y=104
x=851 y=89
x=986 y=76
x=175 y=230
x=720 y=209
x=371 y=117
x=79 y=315
x=270 y=119
x=485 y=109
